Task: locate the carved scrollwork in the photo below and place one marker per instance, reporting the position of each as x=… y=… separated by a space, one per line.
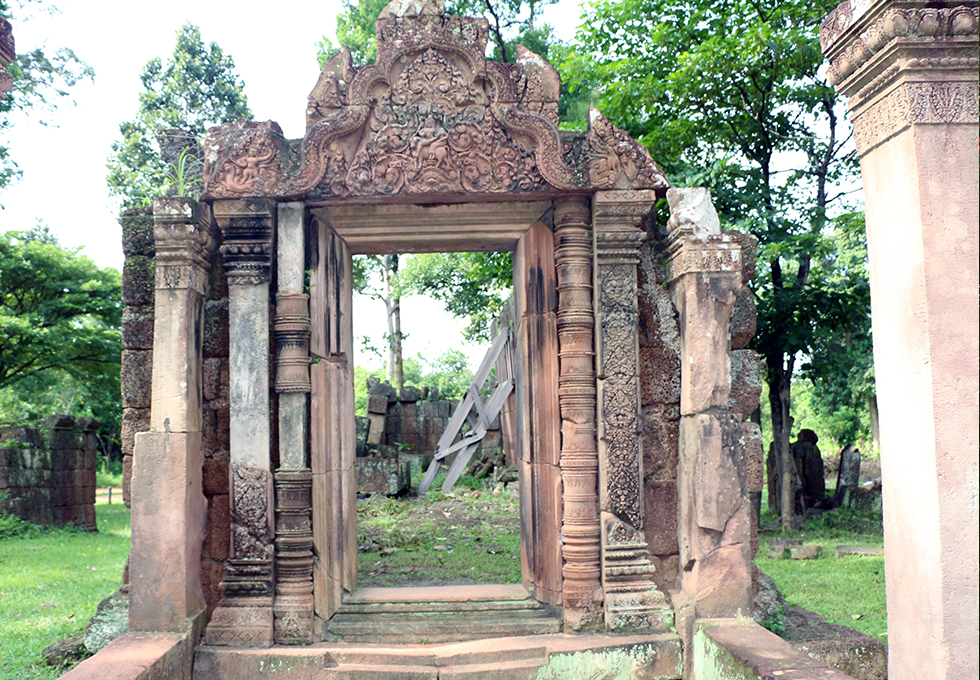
x=251 y=525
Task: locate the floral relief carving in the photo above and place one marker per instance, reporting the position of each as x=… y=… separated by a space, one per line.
x=251 y=527
x=431 y=117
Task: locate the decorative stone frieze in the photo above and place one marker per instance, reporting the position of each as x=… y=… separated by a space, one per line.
x=293 y=608
x=432 y=117
x=7 y=56
x=184 y=240
x=577 y=403
x=246 y=239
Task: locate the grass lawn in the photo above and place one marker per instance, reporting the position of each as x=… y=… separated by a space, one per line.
x=50 y=584
x=465 y=536
x=849 y=591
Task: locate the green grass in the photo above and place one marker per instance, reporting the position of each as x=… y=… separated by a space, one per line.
x=465 y=536
x=849 y=591
x=50 y=584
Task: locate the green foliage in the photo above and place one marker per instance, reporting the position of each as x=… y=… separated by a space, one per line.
x=195 y=89
x=450 y=373
x=42 y=81
x=355 y=29
x=12 y=526
x=474 y=285
x=50 y=584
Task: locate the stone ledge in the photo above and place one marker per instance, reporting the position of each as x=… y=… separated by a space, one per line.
x=139 y=656
x=741 y=649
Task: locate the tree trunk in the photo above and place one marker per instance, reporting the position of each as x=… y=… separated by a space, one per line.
x=392 y=300
x=873 y=413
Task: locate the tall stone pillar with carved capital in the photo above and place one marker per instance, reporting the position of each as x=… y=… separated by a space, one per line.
x=576 y=400
x=909 y=70
x=631 y=599
x=168 y=500
x=244 y=615
x=293 y=607
x=713 y=510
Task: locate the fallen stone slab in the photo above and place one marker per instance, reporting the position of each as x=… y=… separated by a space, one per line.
x=805 y=552
x=860 y=656
x=843 y=550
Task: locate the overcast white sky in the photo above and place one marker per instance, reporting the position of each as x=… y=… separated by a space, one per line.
x=274 y=48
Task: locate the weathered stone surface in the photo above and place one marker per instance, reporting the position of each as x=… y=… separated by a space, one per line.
x=754 y=464
x=138 y=281
x=111 y=620
x=137 y=327
x=134 y=420
x=65 y=652
x=745 y=318
x=216 y=328
x=137 y=232
x=768 y=604
x=388 y=476
x=660 y=527
x=217 y=540
x=860 y=656
x=746 y=383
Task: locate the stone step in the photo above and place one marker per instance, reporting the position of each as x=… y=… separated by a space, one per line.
x=438 y=607
x=506 y=670
x=368 y=671
x=402 y=630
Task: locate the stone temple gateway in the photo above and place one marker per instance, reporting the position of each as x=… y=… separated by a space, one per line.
x=633 y=387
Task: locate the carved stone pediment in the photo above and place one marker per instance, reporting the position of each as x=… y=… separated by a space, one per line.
x=431 y=118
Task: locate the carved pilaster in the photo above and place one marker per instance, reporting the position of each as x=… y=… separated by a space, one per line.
x=244 y=615
x=293 y=607
x=631 y=598
x=576 y=400
x=902 y=66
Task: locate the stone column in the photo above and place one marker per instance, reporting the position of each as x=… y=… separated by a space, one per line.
x=293 y=607
x=909 y=70
x=631 y=599
x=713 y=510
x=576 y=400
x=168 y=502
x=244 y=616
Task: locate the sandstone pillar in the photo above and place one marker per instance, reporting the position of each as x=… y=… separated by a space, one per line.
x=631 y=599
x=713 y=510
x=909 y=70
x=293 y=608
x=168 y=501
x=576 y=399
x=244 y=615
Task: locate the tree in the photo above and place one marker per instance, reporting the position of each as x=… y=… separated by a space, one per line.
x=42 y=80
x=60 y=339
x=730 y=95
x=369 y=270
x=197 y=88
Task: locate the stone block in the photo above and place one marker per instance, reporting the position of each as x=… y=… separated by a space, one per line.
x=376 y=429
x=388 y=476
x=661 y=429
x=377 y=403
x=211 y=573
x=133 y=420
x=218 y=537
x=215 y=472
x=746 y=381
x=137 y=281
x=137 y=327
x=215 y=328
x=660 y=517
x=127 y=481
x=755 y=476
x=211 y=378
x=136 y=378
x=745 y=319
x=137 y=232
x=409 y=395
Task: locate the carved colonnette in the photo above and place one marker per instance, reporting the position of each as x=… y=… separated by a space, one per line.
x=576 y=398
x=244 y=616
x=293 y=607
x=632 y=600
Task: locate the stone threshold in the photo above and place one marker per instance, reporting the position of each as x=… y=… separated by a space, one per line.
x=657 y=657
x=424 y=594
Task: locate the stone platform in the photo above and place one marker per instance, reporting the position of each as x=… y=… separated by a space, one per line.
x=540 y=657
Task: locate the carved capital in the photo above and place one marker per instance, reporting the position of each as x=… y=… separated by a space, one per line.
x=618 y=218
x=246 y=230
x=185 y=239
x=292 y=332
x=695 y=241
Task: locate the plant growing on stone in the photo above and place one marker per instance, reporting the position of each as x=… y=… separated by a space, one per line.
x=182 y=174
x=195 y=89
